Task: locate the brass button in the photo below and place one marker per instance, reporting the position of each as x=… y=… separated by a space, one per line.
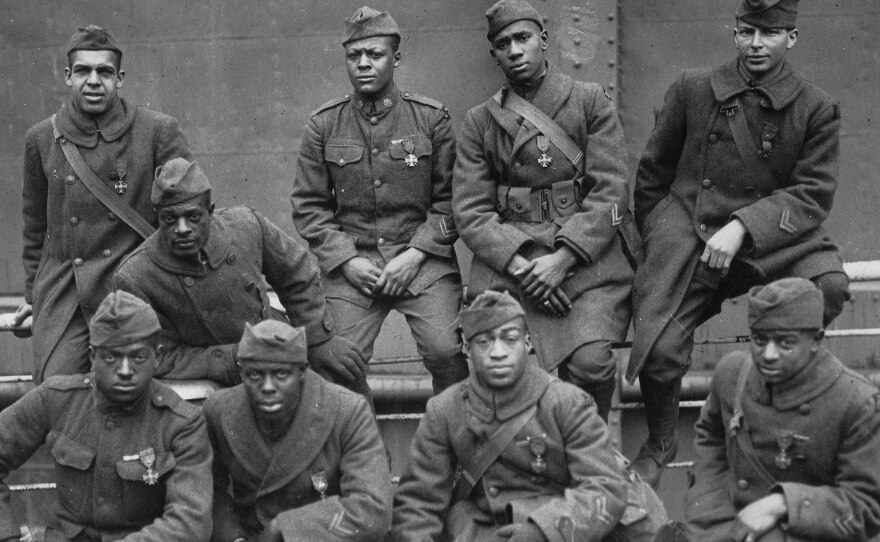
x=377 y=183
x=374 y=121
x=106 y=253
x=387 y=103
x=360 y=104
x=742 y=484
x=381 y=241
x=70 y=179
x=74 y=221
x=77 y=262
x=406 y=94
x=703 y=227
x=804 y=409
x=517 y=165
x=519 y=206
x=563 y=200
x=707 y=184
x=87 y=380
x=189 y=281
x=493 y=491
x=807 y=503
x=713 y=138
x=231 y=259
x=341 y=161
x=375 y=152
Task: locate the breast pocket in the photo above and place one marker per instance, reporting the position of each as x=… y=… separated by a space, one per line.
x=342 y=152
x=73 y=462
x=140 y=499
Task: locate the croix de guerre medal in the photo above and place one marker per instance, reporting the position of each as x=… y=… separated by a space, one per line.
x=319 y=482
x=538 y=448
x=148 y=459
x=120 y=187
x=782 y=459
x=411 y=159
x=544 y=146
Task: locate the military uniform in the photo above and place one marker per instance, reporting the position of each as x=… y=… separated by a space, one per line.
x=203 y=307
x=332 y=438
x=373 y=184
x=559 y=471
x=100 y=452
x=814 y=438
x=72 y=242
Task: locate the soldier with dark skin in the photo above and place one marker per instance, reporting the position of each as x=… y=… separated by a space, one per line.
x=372 y=196
x=547 y=470
x=204 y=273
x=132 y=459
x=555 y=234
x=731 y=191
x=787 y=443
x=72 y=242
x=296 y=457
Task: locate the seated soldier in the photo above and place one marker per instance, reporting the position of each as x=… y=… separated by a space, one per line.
x=535 y=459
x=132 y=459
x=203 y=274
x=302 y=457
x=789 y=439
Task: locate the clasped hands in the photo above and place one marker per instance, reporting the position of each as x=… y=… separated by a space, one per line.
x=541 y=279
x=393 y=280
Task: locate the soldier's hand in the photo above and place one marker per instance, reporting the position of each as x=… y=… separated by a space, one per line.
x=521 y=532
x=399 y=273
x=759 y=517
x=23 y=320
x=517 y=263
x=557 y=304
x=723 y=246
x=362 y=274
x=544 y=274
x=339 y=356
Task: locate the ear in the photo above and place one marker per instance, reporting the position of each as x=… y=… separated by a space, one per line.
x=492 y=52
x=792 y=38
x=211 y=209
x=92 y=354
x=527 y=339
x=397 y=59
x=120 y=78
x=819 y=336
x=545 y=40
x=67 y=74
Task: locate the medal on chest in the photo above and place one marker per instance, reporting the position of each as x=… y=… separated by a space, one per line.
x=148 y=459
x=120 y=186
x=543 y=146
x=411 y=160
x=319 y=482
x=538 y=448
x=782 y=459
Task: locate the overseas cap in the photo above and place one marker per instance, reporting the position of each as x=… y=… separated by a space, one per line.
x=488 y=311
x=177 y=181
x=769 y=13
x=368 y=22
x=273 y=342
x=792 y=303
x=93 y=38
x=506 y=12
x=122 y=319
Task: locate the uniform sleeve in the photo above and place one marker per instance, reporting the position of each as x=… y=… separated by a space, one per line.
x=424 y=495
x=290 y=271
x=188 y=490
x=474 y=193
x=437 y=235
x=34 y=194
x=709 y=510
x=589 y=509
x=658 y=163
x=805 y=201
x=171 y=144
x=23 y=428
x=226 y=524
x=362 y=510
x=589 y=231
x=850 y=509
x=314 y=204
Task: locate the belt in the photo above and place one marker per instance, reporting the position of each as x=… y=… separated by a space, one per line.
x=540 y=205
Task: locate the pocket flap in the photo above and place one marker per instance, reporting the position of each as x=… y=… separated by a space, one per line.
x=564 y=194
x=70 y=453
x=341 y=154
x=519 y=199
x=422 y=146
x=133 y=470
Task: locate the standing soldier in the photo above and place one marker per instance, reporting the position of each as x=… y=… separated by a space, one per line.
x=540 y=195
x=372 y=197
x=731 y=191
x=88 y=171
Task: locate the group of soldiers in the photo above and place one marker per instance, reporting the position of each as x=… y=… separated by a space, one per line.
x=133 y=275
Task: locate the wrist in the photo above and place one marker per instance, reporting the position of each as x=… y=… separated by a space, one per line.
x=567 y=255
x=418 y=254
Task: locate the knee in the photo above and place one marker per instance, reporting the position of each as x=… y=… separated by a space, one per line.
x=835 y=290
x=591 y=363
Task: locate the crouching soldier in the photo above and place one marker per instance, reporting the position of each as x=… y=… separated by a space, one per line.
x=132 y=459
x=302 y=457
x=534 y=457
x=789 y=439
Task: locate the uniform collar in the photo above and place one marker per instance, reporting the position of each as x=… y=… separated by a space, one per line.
x=83 y=131
x=487 y=405
x=814 y=380
x=554 y=88
x=383 y=103
x=214 y=252
x=528 y=90
x=729 y=81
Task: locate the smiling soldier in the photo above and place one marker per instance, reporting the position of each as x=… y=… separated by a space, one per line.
x=88 y=171
x=372 y=197
x=731 y=191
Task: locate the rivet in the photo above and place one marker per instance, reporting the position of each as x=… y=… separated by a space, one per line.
x=611 y=40
x=577 y=41
x=578 y=63
x=545 y=18
x=576 y=18
x=612 y=63
x=610 y=86
x=610 y=16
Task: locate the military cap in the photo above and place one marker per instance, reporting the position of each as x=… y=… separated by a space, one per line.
x=274 y=342
x=489 y=310
x=769 y=13
x=506 y=12
x=792 y=303
x=177 y=181
x=93 y=38
x=368 y=22
x=122 y=319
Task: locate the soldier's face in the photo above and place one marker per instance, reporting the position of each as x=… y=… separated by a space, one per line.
x=94 y=79
x=185 y=227
x=519 y=50
x=371 y=63
x=762 y=50
x=123 y=373
x=781 y=354
x=273 y=389
x=500 y=355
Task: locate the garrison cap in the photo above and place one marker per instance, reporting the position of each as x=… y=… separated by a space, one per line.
x=177 y=181
x=122 y=319
x=489 y=310
x=769 y=13
x=368 y=22
x=274 y=342
x=93 y=38
x=506 y=12
x=792 y=303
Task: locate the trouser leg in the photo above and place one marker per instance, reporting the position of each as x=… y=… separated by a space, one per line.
x=361 y=326
x=591 y=367
x=70 y=355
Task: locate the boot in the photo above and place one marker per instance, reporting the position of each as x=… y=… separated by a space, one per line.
x=602 y=393
x=661 y=413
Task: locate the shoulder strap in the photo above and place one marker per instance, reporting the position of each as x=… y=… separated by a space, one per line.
x=545 y=125
x=98 y=188
x=739 y=427
x=742 y=137
x=488 y=452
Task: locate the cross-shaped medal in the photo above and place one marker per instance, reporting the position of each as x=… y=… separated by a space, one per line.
x=411 y=160
x=544 y=145
x=120 y=187
x=544 y=160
